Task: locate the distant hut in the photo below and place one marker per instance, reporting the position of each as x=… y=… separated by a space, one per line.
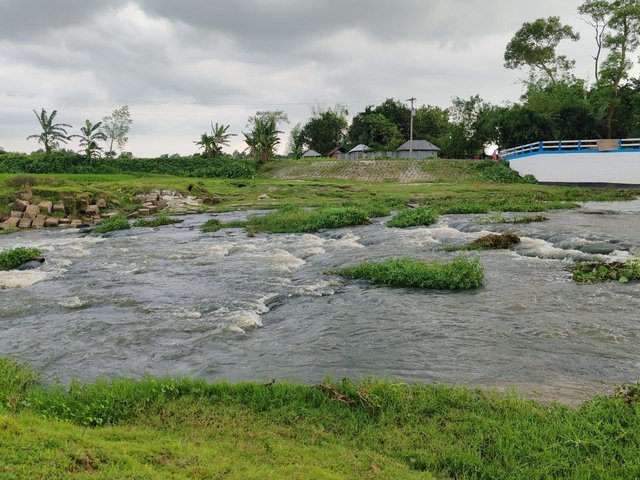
x=336 y=153
x=419 y=149
x=311 y=154
x=358 y=152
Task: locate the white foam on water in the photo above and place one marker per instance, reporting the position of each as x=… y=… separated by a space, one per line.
x=323 y=288
x=20 y=278
x=191 y=314
x=350 y=239
x=281 y=259
x=546 y=250
x=245 y=320
x=73 y=303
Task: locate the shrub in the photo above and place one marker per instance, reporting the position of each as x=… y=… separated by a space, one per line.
x=500 y=172
x=118 y=222
x=416 y=217
x=63 y=162
x=17 y=256
x=460 y=274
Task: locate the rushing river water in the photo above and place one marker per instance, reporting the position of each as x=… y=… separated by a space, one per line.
x=226 y=306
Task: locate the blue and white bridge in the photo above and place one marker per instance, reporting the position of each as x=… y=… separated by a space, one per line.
x=614 y=161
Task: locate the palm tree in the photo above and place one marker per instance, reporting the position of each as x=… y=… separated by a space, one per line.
x=213 y=143
x=91 y=134
x=263 y=139
x=52 y=133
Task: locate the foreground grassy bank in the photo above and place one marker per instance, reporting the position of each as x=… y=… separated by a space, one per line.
x=171 y=428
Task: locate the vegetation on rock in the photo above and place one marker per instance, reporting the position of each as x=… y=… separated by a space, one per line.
x=156 y=222
x=622 y=272
x=15 y=257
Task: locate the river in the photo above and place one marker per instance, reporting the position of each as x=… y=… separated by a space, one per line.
x=175 y=301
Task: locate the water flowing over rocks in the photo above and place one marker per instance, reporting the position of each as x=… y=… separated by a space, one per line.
x=227 y=306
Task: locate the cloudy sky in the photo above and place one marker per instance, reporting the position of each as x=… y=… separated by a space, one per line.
x=180 y=64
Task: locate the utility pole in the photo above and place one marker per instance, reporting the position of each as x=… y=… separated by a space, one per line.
x=413 y=114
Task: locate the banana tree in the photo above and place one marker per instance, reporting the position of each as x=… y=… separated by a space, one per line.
x=52 y=133
x=263 y=139
x=91 y=134
x=206 y=143
x=213 y=142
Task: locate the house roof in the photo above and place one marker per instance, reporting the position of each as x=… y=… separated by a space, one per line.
x=417 y=146
x=334 y=151
x=359 y=148
x=310 y=154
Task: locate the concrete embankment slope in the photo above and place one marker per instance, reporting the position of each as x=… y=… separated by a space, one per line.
x=399 y=171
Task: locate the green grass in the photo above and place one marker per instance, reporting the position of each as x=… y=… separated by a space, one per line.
x=500 y=218
x=298 y=220
x=622 y=272
x=15 y=257
x=156 y=222
x=373 y=429
x=417 y=217
x=118 y=222
x=9 y=231
x=460 y=274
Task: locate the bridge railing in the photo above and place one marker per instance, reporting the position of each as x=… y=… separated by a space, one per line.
x=565 y=146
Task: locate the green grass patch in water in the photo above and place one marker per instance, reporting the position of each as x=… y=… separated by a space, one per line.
x=622 y=272
x=417 y=217
x=298 y=220
x=460 y=274
x=9 y=231
x=15 y=257
x=500 y=218
x=156 y=222
x=118 y=222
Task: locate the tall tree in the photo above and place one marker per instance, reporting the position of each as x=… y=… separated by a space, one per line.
x=623 y=38
x=374 y=130
x=89 y=139
x=52 y=133
x=296 y=141
x=116 y=128
x=596 y=13
x=396 y=112
x=326 y=129
x=534 y=45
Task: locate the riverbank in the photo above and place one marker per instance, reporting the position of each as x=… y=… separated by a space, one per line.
x=178 y=428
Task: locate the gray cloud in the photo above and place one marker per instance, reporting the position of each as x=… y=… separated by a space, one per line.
x=181 y=64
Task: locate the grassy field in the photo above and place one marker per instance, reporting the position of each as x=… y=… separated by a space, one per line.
x=471 y=195
x=179 y=428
